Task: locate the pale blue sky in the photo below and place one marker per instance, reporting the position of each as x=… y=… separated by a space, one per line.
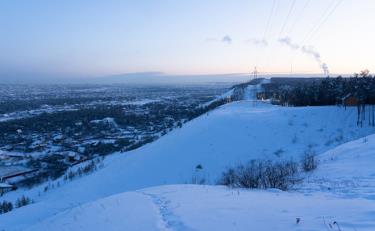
x=96 y=38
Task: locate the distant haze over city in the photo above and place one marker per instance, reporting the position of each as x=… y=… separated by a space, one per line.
x=83 y=41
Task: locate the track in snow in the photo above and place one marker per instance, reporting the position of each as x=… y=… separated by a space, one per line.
x=169 y=220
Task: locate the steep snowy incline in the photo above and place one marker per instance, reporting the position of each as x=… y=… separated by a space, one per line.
x=233 y=133
x=206 y=208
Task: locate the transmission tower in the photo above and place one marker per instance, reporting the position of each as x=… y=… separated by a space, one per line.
x=255 y=73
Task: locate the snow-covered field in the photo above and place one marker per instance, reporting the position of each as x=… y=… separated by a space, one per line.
x=234 y=133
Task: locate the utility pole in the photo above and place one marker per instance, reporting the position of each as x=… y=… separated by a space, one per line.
x=326 y=73
x=255 y=73
x=291 y=69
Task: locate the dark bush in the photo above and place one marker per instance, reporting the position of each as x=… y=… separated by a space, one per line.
x=309 y=161
x=23 y=201
x=229 y=178
x=262 y=174
x=5 y=207
x=88 y=168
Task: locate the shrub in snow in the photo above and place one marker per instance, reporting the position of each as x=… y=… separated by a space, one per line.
x=262 y=174
x=295 y=139
x=87 y=168
x=279 y=152
x=5 y=207
x=298 y=220
x=23 y=201
x=199 y=167
x=309 y=161
x=229 y=177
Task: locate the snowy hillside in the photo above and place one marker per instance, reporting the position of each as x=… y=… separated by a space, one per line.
x=237 y=132
x=347 y=170
x=192 y=207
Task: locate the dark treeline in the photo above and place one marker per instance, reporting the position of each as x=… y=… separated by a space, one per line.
x=331 y=91
x=358 y=90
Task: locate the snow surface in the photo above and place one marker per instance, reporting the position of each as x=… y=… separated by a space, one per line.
x=193 y=207
x=142 y=102
x=252 y=90
x=347 y=170
x=236 y=132
x=218 y=98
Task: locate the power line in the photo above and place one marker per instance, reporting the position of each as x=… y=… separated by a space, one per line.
x=269 y=19
x=324 y=20
x=325 y=12
x=301 y=13
x=287 y=17
x=262 y=57
x=324 y=17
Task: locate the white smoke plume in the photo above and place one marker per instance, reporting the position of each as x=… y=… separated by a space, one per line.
x=211 y=39
x=309 y=50
x=227 y=39
x=288 y=41
x=258 y=42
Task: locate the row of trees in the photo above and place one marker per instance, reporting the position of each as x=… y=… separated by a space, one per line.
x=333 y=91
x=7 y=206
x=330 y=91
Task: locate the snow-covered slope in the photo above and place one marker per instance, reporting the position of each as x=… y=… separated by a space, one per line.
x=347 y=170
x=252 y=90
x=233 y=133
x=344 y=170
x=205 y=208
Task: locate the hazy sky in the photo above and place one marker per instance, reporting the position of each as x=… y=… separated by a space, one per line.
x=96 y=38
